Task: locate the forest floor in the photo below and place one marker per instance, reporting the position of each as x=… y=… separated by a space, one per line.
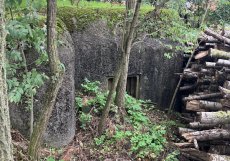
x=139 y=131
x=84 y=148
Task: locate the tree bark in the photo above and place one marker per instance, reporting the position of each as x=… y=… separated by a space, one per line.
x=56 y=77
x=188 y=87
x=217 y=36
x=198 y=125
x=129 y=30
x=122 y=71
x=206 y=135
x=220 y=54
x=204 y=96
x=184 y=145
x=202 y=156
x=210 y=64
x=220 y=117
x=193 y=105
x=183 y=130
x=201 y=105
x=222 y=62
x=6 y=153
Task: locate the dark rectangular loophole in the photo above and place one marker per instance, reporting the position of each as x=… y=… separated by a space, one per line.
x=132 y=86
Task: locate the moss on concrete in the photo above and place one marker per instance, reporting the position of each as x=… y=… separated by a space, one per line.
x=79 y=18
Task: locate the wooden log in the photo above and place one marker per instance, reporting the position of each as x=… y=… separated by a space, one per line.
x=209 y=105
x=207 y=71
x=227 y=85
x=225 y=103
x=201 y=105
x=208 y=39
x=205 y=96
x=194 y=105
x=223 y=62
x=187 y=87
x=217 y=36
x=226 y=70
x=220 y=77
x=220 y=149
x=210 y=64
x=201 y=54
x=202 y=156
x=198 y=125
x=206 y=135
x=210 y=87
x=220 y=117
x=195 y=142
x=186 y=119
x=204 y=81
x=183 y=130
x=225 y=92
x=227 y=34
x=184 y=145
x=219 y=54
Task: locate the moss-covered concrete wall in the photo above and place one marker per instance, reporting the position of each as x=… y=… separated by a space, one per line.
x=97 y=51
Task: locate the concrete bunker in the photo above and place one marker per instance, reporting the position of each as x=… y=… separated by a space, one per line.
x=151 y=75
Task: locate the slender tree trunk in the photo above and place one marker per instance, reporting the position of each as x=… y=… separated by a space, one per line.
x=56 y=76
x=126 y=48
x=6 y=153
x=129 y=31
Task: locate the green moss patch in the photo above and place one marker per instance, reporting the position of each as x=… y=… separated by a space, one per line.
x=79 y=18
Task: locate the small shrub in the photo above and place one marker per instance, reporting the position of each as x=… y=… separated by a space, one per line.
x=172 y=156
x=85 y=118
x=90 y=87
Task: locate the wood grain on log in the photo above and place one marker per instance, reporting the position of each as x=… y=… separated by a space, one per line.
x=220 y=117
x=201 y=105
x=219 y=54
x=183 y=130
x=202 y=156
x=206 y=135
x=198 y=125
x=184 y=145
x=201 y=54
x=217 y=36
x=223 y=62
x=205 y=96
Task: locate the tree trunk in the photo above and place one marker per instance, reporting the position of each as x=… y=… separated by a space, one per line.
x=127 y=41
x=109 y=101
x=206 y=135
x=129 y=29
x=220 y=117
x=56 y=77
x=6 y=153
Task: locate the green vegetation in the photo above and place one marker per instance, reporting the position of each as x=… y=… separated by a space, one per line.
x=146 y=138
x=25 y=34
x=221 y=14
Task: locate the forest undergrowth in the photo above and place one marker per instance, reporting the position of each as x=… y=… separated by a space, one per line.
x=139 y=131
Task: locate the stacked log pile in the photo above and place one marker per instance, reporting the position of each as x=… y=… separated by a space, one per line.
x=205 y=91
